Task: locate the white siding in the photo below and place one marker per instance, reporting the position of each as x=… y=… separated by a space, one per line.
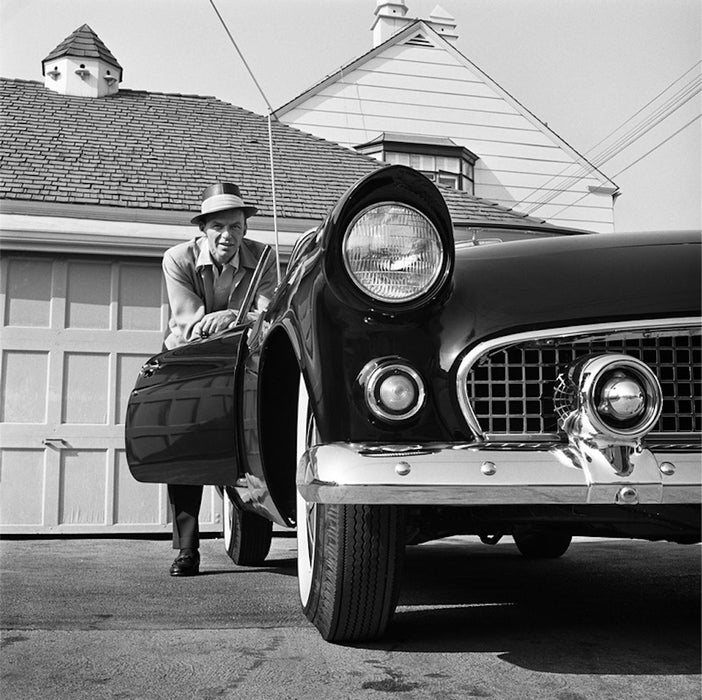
x=434 y=91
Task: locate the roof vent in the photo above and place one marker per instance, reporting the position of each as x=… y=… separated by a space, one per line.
x=419 y=40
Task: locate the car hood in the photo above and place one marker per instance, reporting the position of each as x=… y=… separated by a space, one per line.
x=570 y=280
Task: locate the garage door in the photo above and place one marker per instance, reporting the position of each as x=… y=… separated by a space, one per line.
x=75 y=331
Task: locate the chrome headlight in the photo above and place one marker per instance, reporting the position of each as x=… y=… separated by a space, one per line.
x=392 y=252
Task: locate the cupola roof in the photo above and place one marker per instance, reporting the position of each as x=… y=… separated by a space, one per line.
x=82 y=43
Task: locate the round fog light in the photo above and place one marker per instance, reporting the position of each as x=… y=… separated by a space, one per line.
x=392 y=390
x=397 y=392
x=618 y=395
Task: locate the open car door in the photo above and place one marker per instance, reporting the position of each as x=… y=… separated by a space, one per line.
x=181 y=424
x=183 y=416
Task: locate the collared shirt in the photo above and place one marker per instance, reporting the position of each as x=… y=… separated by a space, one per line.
x=224 y=282
x=195 y=286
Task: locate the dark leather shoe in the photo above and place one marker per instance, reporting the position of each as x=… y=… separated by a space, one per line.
x=187 y=564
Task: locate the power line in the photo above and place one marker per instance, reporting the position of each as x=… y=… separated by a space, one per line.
x=614 y=131
x=648 y=153
x=584 y=170
x=621 y=144
x=657 y=146
x=673 y=103
x=661 y=113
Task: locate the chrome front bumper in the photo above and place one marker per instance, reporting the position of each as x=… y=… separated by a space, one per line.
x=483 y=475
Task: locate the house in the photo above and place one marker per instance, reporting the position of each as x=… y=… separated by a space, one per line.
x=96 y=182
x=414 y=98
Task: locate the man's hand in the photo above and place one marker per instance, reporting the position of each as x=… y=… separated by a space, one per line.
x=214 y=323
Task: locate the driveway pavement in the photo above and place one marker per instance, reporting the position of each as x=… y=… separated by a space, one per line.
x=100 y=618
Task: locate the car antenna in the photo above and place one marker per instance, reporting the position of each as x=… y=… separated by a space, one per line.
x=271 y=113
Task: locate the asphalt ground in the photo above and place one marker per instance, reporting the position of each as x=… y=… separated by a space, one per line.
x=101 y=618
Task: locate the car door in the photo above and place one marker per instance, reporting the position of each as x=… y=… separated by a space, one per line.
x=181 y=425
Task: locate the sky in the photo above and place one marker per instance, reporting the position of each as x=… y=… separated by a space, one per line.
x=585 y=67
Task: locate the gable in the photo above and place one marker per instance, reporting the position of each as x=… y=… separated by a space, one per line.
x=418 y=83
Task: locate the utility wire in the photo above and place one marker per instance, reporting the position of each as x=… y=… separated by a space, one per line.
x=583 y=169
x=657 y=146
x=623 y=141
x=648 y=153
x=650 y=102
x=681 y=98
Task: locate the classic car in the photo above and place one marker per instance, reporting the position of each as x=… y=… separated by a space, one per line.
x=405 y=386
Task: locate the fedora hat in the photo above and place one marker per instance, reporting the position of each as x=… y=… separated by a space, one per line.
x=220 y=197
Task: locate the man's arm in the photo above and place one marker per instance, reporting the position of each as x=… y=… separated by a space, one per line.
x=187 y=307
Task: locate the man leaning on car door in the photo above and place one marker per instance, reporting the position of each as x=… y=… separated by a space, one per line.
x=207 y=279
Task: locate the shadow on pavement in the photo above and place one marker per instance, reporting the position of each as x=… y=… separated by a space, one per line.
x=604 y=608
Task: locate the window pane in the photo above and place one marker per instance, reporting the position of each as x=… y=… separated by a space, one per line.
x=398 y=158
x=448 y=164
x=421 y=161
x=448 y=180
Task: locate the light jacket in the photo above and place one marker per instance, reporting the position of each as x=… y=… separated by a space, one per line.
x=191 y=286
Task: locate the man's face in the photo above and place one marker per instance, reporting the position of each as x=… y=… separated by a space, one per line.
x=224 y=231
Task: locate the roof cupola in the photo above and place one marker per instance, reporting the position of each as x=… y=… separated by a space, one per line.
x=390 y=18
x=443 y=23
x=81 y=65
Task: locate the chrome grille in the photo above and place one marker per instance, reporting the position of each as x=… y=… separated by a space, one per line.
x=510 y=389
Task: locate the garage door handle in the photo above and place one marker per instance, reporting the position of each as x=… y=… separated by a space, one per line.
x=149 y=368
x=59 y=443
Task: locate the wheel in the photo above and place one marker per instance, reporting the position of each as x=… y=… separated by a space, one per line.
x=247 y=536
x=541 y=544
x=349 y=558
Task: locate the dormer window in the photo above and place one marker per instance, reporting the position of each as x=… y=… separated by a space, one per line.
x=440 y=159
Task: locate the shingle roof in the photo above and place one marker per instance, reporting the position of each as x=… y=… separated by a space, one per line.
x=84 y=42
x=159 y=151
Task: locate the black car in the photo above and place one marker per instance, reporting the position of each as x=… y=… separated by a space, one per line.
x=402 y=386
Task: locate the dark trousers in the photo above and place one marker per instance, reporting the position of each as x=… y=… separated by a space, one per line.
x=185 y=506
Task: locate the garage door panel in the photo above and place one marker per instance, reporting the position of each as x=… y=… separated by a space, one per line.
x=85 y=388
x=82 y=487
x=28 y=292
x=21 y=479
x=24 y=387
x=139 y=298
x=88 y=295
x=134 y=502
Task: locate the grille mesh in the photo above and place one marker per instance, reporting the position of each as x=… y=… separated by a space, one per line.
x=511 y=389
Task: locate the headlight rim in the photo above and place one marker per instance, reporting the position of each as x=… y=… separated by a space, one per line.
x=438 y=278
